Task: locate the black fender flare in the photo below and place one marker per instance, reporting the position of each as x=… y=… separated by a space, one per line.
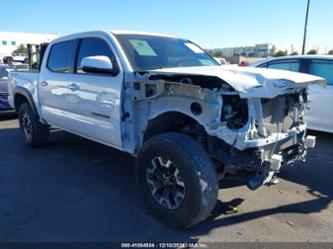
x=19 y=90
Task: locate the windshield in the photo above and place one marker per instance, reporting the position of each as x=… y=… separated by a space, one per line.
x=146 y=52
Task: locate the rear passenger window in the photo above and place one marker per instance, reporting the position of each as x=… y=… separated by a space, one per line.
x=323 y=69
x=94 y=47
x=60 y=57
x=285 y=65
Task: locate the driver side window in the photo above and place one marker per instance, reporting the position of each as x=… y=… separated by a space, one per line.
x=93 y=47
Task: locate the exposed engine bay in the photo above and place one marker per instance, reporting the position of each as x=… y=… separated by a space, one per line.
x=239 y=131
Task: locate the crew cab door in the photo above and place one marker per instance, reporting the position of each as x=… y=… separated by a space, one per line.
x=54 y=78
x=94 y=98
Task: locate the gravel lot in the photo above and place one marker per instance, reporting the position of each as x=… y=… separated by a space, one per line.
x=78 y=190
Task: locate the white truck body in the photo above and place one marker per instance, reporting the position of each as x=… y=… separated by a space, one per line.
x=73 y=110
x=166 y=101
x=243 y=117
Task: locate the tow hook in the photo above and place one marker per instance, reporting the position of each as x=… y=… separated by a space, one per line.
x=262 y=174
x=265 y=172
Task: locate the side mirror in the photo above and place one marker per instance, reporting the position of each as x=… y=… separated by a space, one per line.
x=97 y=64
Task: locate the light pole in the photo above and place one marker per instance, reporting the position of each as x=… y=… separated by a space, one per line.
x=305 y=26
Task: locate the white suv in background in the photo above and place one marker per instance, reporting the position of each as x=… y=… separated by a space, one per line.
x=319 y=115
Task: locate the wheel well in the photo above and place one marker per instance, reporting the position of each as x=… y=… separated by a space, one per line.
x=179 y=122
x=175 y=122
x=19 y=99
x=21 y=96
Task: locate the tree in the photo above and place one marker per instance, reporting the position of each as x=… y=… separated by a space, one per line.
x=312 y=51
x=294 y=53
x=215 y=52
x=210 y=52
x=280 y=53
x=21 y=49
x=218 y=53
x=330 y=52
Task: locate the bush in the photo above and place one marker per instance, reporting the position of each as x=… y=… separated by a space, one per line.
x=280 y=53
x=312 y=51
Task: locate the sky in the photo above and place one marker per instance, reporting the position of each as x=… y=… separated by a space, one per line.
x=209 y=23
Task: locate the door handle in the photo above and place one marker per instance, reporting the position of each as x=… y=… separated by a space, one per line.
x=73 y=87
x=43 y=83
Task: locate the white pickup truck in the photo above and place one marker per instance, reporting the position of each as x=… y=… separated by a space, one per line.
x=15 y=57
x=188 y=121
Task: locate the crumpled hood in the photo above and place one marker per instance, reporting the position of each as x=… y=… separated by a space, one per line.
x=251 y=81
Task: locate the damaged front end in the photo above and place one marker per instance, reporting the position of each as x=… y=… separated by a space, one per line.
x=274 y=136
x=259 y=129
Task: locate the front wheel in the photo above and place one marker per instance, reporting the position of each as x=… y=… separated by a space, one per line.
x=34 y=133
x=177 y=178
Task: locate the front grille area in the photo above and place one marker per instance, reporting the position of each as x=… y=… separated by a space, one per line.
x=284 y=145
x=278 y=113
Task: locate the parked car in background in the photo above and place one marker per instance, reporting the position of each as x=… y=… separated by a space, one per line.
x=243 y=64
x=319 y=115
x=4 y=71
x=15 y=57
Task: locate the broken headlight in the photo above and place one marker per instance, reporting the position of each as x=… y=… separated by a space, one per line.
x=234 y=111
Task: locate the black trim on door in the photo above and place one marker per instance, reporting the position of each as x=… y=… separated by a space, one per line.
x=100 y=115
x=71 y=66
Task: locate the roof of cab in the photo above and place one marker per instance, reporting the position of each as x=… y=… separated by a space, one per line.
x=130 y=32
x=105 y=32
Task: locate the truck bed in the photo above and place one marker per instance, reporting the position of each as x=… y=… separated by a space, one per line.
x=22 y=79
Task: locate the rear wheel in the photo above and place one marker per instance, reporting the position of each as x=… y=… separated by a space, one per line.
x=34 y=132
x=177 y=178
x=8 y=60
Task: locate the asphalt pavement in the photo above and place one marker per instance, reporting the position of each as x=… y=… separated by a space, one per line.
x=78 y=190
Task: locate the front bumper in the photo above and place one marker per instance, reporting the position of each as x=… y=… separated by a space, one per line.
x=265 y=156
x=276 y=137
x=266 y=168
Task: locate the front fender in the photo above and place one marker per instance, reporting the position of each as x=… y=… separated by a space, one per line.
x=201 y=104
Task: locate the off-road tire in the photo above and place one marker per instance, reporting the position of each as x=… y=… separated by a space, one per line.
x=197 y=171
x=39 y=132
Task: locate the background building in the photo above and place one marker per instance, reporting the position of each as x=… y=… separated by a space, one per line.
x=228 y=52
x=264 y=50
x=259 y=50
x=249 y=51
x=10 y=41
x=269 y=49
